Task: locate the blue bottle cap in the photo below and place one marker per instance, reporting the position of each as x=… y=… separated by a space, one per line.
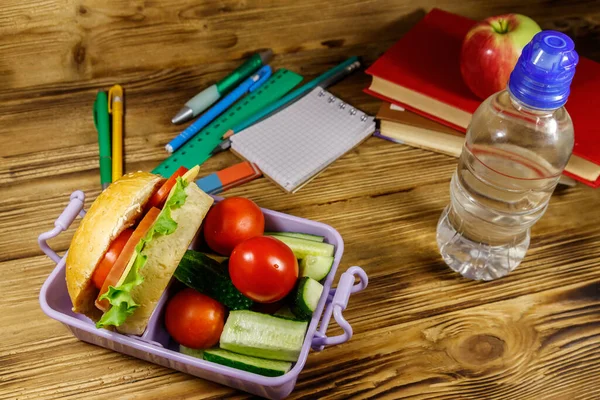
x=543 y=74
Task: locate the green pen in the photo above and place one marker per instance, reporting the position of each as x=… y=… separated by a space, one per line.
x=102 y=122
x=324 y=80
x=208 y=96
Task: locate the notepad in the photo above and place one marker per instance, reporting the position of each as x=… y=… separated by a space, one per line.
x=294 y=145
x=197 y=150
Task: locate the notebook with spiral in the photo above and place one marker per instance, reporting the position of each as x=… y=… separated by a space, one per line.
x=294 y=145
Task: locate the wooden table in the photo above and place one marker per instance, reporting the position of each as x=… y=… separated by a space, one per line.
x=420 y=330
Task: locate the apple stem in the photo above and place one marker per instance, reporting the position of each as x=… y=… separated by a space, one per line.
x=501 y=26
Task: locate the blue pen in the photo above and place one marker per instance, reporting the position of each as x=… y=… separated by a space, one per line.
x=328 y=78
x=248 y=86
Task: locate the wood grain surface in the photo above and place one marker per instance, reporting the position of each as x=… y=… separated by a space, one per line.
x=420 y=330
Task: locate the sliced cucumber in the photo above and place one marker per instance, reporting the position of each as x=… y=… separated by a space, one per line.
x=191 y=352
x=305 y=236
x=303 y=248
x=248 y=363
x=207 y=276
x=307 y=298
x=262 y=335
x=285 y=312
x=316 y=267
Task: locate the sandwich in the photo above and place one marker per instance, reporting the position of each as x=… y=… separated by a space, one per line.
x=129 y=244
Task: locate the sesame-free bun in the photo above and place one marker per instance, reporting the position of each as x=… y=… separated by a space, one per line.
x=114 y=210
x=164 y=254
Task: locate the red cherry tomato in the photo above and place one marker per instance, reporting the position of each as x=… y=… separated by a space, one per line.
x=115 y=248
x=194 y=320
x=263 y=268
x=160 y=196
x=232 y=221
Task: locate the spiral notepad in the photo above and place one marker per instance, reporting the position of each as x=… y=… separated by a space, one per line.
x=294 y=145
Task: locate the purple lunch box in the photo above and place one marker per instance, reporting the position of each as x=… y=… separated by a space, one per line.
x=156 y=346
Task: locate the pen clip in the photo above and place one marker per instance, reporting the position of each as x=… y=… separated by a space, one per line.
x=116 y=90
x=264 y=73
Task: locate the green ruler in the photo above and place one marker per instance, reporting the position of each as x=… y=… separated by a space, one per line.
x=197 y=149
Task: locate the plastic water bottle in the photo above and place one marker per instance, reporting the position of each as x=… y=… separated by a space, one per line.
x=517 y=145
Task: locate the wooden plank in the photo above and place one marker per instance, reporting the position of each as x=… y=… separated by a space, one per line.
x=505 y=350
x=102 y=39
x=515 y=347
x=407 y=273
x=421 y=331
x=377 y=168
x=147 y=126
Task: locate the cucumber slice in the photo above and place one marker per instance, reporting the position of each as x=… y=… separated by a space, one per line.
x=305 y=236
x=207 y=276
x=316 y=267
x=285 y=312
x=303 y=248
x=247 y=363
x=307 y=298
x=263 y=336
x=191 y=352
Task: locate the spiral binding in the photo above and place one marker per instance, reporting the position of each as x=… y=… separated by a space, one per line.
x=352 y=111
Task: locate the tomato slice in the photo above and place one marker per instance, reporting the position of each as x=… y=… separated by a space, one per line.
x=160 y=196
x=119 y=266
x=115 y=248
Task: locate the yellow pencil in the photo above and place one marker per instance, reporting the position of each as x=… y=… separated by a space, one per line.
x=115 y=107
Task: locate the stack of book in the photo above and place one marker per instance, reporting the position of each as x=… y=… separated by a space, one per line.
x=427 y=104
x=401 y=126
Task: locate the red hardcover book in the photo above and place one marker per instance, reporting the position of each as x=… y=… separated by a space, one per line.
x=421 y=72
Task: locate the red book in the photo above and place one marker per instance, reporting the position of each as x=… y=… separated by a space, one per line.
x=421 y=72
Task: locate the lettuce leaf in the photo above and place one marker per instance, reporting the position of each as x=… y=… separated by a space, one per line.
x=120 y=297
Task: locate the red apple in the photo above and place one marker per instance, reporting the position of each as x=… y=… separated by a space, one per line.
x=491 y=49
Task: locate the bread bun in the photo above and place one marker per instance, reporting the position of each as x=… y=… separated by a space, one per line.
x=115 y=209
x=164 y=254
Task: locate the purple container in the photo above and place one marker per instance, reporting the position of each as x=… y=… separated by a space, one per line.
x=156 y=346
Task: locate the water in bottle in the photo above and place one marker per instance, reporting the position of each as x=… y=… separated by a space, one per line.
x=517 y=145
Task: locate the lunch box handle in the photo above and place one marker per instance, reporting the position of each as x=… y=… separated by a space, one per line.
x=337 y=301
x=62 y=223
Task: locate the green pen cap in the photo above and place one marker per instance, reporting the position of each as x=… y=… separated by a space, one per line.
x=244 y=71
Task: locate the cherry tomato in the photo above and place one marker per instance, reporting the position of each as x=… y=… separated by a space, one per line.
x=194 y=320
x=115 y=273
x=115 y=248
x=232 y=221
x=160 y=196
x=263 y=268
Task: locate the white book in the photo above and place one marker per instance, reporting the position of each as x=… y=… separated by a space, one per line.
x=295 y=144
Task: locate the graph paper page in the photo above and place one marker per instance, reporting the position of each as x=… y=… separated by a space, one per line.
x=295 y=144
